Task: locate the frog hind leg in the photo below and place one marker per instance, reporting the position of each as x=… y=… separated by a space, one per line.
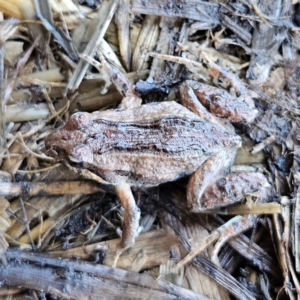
x=209 y=187
x=237 y=224
x=131 y=219
x=213 y=169
x=222 y=105
x=228 y=190
x=191 y=101
x=232 y=188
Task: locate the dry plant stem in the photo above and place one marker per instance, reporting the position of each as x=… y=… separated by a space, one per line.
x=12 y=164
x=246 y=209
x=28 y=150
x=13 y=50
x=297 y=231
x=11 y=9
x=28 y=13
x=21 y=95
x=112 y=38
x=223 y=278
x=286 y=238
x=21 y=63
x=40 y=232
x=146 y=42
x=3 y=247
x=155 y=244
x=25 y=221
x=208 y=241
x=243 y=157
x=263 y=144
x=214 y=71
x=49 y=101
x=106 y=273
x=36 y=170
x=42 y=83
x=56 y=216
x=262 y=38
x=139 y=262
x=105 y=14
x=82 y=35
x=7 y=30
x=272 y=100
x=110 y=55
x=181 y=292
x=17 y=113
x=99 y=102
x=120 y=80
x=44 y=13
x=167 y=33
x=192 y=9
x=281 y=251
x=230 y=229
x=79 y=284
x=50 y=206
x=9 y=291
x=197 y=281
x=237 y=29
x=123 y=23
x=2 y=104
x=13 y=189
x=15 y=153
x=256 y=255
x=48 y=76
x=67 y=9
x=5 y=221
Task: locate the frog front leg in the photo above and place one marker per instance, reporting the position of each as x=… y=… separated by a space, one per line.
x=131 y=218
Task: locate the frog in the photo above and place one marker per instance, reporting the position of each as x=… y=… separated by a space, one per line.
x=150 y=144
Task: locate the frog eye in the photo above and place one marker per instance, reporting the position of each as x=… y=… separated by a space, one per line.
x=78 y=121
x=81 y=154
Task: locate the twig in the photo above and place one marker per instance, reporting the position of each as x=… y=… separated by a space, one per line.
x=25 y=220
x=105 y=14
x=48 y=188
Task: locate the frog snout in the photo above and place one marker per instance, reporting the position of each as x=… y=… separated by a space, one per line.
x=56 y=145
x=52 y=141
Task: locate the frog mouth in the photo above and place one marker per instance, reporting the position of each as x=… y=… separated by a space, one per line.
x=57 y=153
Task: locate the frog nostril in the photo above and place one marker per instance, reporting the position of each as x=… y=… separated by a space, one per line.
x=78 y=121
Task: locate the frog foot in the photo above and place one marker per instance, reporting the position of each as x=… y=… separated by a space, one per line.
x=230 y=229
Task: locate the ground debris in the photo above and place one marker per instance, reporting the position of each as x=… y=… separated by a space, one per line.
x=61 y=57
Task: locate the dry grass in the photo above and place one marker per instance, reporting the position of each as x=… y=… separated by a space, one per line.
x=46 y=47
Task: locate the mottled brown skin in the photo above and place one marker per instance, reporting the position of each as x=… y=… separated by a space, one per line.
x=222 y=104
x=145 y=146
x=160 y=142
x=236 y=185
